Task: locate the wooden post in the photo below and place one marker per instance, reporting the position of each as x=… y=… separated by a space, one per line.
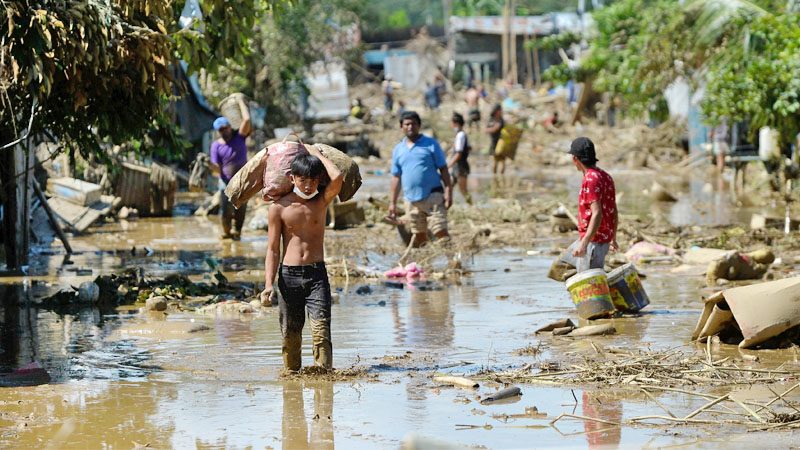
x=528 y=63
x=537 y=75
x=504 y=40
x=14 y=182
x=513 y=41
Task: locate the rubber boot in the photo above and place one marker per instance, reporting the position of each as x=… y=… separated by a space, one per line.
x=292 y=355
x=321 y=343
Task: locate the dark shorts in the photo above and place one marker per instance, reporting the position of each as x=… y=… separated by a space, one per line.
x=303 y=288
x=460 y=169
x=474 y=115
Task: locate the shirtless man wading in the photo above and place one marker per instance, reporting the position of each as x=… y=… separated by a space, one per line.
x=299 y=218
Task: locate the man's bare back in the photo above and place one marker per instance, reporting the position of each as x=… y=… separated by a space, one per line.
x=302 y=228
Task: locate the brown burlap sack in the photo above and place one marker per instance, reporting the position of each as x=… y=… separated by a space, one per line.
x=348 y=167
x=279 y=166
x=248 y=181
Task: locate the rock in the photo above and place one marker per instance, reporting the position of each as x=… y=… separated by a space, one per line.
x=197 y=328
x=157 y=303
x=593 y=330
x=335 y=297
x=363 y=290
x=89 y=291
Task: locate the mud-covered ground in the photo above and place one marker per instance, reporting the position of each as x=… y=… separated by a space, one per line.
x=211 y=378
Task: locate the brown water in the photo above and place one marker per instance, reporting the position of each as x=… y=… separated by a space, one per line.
x=122 y=379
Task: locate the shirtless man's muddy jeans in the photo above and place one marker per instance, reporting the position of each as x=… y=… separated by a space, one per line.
x=305 y=288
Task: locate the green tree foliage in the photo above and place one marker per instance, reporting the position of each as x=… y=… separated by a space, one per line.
x=746 y=53
x=90 y=69
x=758 y=80
x=398 y=19
x=282 y=47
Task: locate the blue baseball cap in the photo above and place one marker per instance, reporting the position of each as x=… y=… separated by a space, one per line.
x=221 y=122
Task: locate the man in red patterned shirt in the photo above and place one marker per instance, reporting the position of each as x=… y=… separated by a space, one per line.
x=597 y=211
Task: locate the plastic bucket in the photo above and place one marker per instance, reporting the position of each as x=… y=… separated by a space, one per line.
x=590 y=293
x=627 y=292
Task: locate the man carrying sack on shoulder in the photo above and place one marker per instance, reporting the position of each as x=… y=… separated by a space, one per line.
x=228 y=156
x=597 y=211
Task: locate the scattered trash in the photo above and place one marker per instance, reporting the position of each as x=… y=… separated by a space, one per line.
x=74 y=191
x=593 y=330
x=762 y=221
x=557 y=324
x=755 y=315
x=363 y=290
x=739 y=266
x=156 y=303
x=126 y=213
x=502 y=394
x=644 y=251
x=456 y=381
x=410 y=271
x=88 y=291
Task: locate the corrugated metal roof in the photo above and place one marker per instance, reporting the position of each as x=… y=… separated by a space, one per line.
x=532 y=25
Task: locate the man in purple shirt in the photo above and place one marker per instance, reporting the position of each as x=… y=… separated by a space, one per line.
x=228 y=155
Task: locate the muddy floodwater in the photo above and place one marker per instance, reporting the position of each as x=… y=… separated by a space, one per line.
x=121 y=379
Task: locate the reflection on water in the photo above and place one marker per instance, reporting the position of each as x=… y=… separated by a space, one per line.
x=40 y=345
x=296 y=423
x=601 y=435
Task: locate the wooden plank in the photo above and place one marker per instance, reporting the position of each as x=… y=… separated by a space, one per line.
x=76 y=191
x=77 y=217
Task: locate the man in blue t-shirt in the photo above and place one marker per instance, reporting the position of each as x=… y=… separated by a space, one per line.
x=419 y=165
x=228 y=156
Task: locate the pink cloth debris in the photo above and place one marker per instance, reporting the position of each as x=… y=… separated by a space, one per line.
x=411 y=272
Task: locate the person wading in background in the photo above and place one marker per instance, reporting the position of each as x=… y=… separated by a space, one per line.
x=458 y=164
x=419 y=164
x=597 y=211
x=493 y=129
x=228 y=156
